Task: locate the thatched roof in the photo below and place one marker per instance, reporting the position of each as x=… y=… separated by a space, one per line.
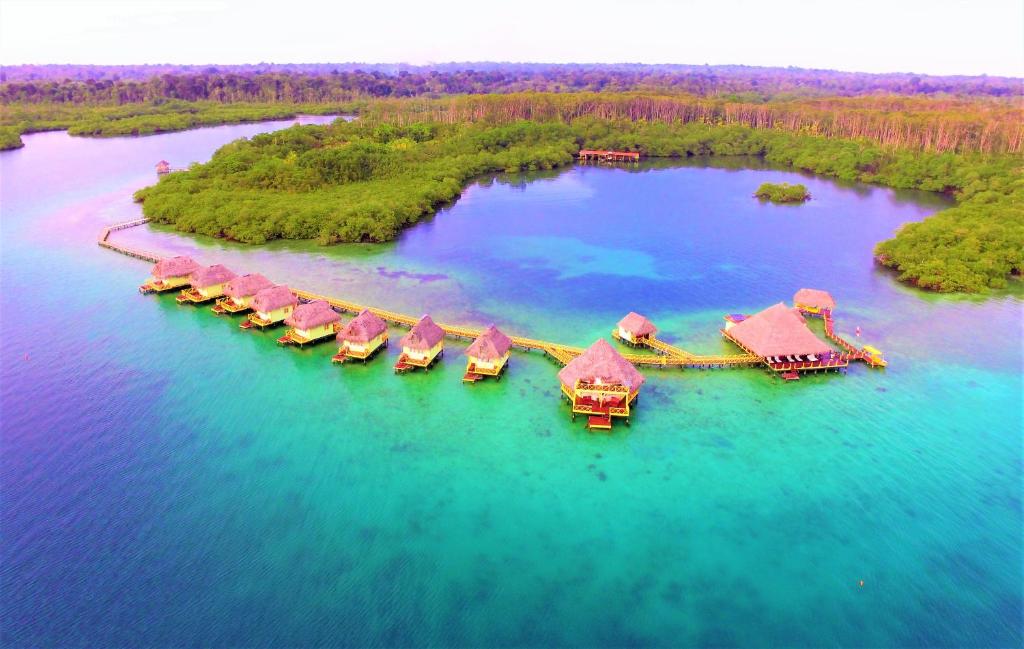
x=637 y=325
x=424 y=335
x=246 y=285
x=601 y=362
x=491 y=345
x=211 y=276
x=778 y=331
x=363 y=328
x=814 y=298
x=312 y=314
x=174 y=267
x=273 y=298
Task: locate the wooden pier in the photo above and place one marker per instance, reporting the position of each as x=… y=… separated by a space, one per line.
x=608 y=156
x=665 y=356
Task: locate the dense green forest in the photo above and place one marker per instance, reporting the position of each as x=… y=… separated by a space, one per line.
x=143 y=119
x=782 y=193
x=316 y=81
x=366 y=180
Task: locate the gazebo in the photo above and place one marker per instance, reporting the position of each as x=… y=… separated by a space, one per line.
x=169 y=274
x=601 y=384
x=814 y=302
x=421 y=346
x=239 y=292
x=207 y=284
x=270 y=306
x=310 y=322
x=361 y=337
x=634 y=329
x=488 y=355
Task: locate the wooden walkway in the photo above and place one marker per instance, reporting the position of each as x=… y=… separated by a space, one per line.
x=665 y=356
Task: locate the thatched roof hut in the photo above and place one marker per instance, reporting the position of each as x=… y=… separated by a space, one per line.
x=211 y=276
x=815 y=298
x=778 y=331
x=273 y=298
x=637 y=325
x=311 y=315
x=600 y=362
x=363 y=328
x=174 y=267
x=424 y=336
x=491 y=345
x=246 y=285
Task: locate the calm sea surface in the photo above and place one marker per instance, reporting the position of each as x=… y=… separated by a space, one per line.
x=169 y=480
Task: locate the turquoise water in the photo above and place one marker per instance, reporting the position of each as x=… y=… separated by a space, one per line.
x=168 y=480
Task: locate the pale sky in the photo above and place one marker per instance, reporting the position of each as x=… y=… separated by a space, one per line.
x=923 y=36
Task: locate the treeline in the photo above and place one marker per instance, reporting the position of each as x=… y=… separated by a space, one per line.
x=366 y=180
x=400 y=80
x=143 y=119
x=960 y=125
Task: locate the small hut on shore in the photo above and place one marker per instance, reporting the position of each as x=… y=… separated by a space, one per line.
x=207 y=284
x=634 y=329
x=779 y=335
x=270 y=306
x=814 y=302
x=310 y=322
x=421 y=346
x=601 y=384
x=163 y=167
x=361 y=337
x=238 y=293
x=169 y=274
x=488 y=355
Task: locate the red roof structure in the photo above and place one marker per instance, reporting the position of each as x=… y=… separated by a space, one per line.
x=312 y=314
x=273 y=298
x=363 y=328
x=174 y=267
x=491 y=345
x=778 y=331
x=211 y=276
x=601 y=363
x=638 y=325
x=424 y=335
x=246 y=285
x=813 y=297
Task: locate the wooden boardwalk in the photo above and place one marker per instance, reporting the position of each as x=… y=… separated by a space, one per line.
x=665 y=356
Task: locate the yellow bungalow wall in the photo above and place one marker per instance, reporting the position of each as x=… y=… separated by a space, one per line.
x=316 y=332
x=424 y=356
x=808 y=309
x=216 y=290
x=174 y=282
x=489 y=365
x=276 y=315
x=363 y=348
x=626 y=335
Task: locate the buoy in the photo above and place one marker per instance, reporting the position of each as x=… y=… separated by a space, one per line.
x=26 y=357
x=858 y=332
x=861 y=583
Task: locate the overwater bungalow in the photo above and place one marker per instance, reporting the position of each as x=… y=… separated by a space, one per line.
x=361 y=338
x=634 y=329
x=814 y=302
x=780 y=337
x=310 y=323
x=239 y=292
x=207 y=284
x=421 y=346
x=169 y=274
x=488 y=355
x=601 y=384
x=270 y=306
